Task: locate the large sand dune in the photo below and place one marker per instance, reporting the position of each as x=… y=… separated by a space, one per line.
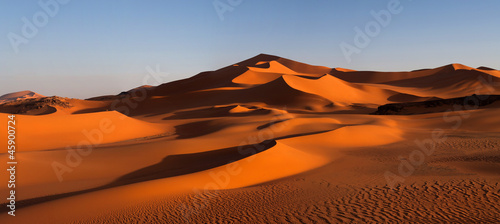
x=265 y=140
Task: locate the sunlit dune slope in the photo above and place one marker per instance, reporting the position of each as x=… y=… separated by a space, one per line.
x=58 y=131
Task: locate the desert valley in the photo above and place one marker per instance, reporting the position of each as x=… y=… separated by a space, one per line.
x=265 y=140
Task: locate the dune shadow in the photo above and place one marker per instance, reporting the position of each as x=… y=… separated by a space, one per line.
x=216 y=112
x=436 y=106
x=272 y=123
x=177 y=165
x=197 y=129
x=403 y=97
x=170 y=166
x=91 y=110
x=19 y=109
x=303 y=134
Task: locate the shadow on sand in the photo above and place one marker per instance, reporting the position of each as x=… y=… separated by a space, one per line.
x=170 y=166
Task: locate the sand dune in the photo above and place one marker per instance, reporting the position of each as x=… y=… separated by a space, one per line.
x=19 y=96
x=324 y=89
x=378 y=77
x=50 y=105
x=452 y=81
x=264 y=140
x=271 y=71
x=60 y=131
x=340 y=92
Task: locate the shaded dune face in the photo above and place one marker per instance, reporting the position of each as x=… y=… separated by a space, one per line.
x=264 y=140
x=441 y=105
x=177 y=165
x=221 y=111
x=170 y=166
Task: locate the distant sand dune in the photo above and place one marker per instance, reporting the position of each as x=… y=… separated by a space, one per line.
x=19 y=96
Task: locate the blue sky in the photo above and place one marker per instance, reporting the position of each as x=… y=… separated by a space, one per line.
x=95 y=47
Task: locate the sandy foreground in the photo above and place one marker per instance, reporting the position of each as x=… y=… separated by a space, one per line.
x=266 y=140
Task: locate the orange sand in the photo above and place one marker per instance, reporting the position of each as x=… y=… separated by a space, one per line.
x=266 y=140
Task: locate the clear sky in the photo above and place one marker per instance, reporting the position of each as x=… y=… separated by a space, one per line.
x=91 y=47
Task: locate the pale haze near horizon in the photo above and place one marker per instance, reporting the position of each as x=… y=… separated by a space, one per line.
x=92 y=48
